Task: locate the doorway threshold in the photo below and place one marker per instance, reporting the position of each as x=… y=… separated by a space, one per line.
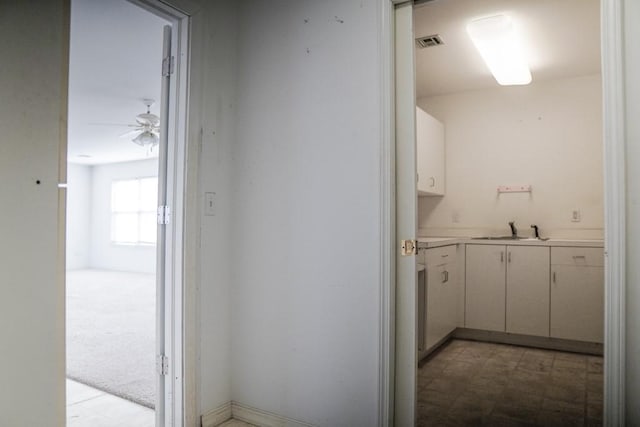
x=88 y=407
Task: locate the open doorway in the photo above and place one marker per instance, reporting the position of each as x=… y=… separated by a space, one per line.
x=538 y=326
x=124 y=122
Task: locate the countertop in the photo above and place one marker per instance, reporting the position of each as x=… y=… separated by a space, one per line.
x=435 y=242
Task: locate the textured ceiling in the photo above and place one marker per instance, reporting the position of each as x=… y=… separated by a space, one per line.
x=115 y=62
x=561 y=39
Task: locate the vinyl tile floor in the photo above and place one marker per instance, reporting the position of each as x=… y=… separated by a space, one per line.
x=90 y=407
x=468 y=383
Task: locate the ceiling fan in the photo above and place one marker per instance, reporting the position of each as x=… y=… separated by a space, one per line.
x=146 y=132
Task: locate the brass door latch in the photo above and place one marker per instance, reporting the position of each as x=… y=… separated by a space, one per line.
x=408 y=247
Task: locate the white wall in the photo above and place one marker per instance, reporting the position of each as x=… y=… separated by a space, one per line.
x=632 y=94
x=78 y=216
x=33 y=123
x=547 y=134
x=214 y=80
x=305 y=251
x=106 y=255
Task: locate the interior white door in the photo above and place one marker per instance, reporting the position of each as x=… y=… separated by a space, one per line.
x=33 y=116
x=165 y=366
x=406 y=218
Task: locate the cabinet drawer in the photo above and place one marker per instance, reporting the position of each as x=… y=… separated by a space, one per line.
x=441 y=255
x=577 y=256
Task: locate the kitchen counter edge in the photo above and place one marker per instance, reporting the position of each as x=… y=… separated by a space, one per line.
x=436 y=242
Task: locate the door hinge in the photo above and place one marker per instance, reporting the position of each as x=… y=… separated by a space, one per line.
x=164 y=215
x=162 y=364
x=408 y=247
x=168 y=64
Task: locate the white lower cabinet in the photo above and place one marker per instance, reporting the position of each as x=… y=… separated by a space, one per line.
x=577 y=294
x=534 y=290
x=507 y=289
x=528 y=290
x=440 y=297
x=485 y=287
x=441 y=303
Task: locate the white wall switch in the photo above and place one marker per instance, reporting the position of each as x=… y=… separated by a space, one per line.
x=576 y=216
x=209 y=204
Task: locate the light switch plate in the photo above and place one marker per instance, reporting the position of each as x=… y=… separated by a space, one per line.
x=576 y=216
x=209 y=204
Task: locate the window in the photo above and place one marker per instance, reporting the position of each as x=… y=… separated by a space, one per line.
x=133 y=211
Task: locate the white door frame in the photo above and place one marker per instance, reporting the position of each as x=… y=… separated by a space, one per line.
x=397 y=373
x=614 y=211
x=175 y=410
x=614 y=206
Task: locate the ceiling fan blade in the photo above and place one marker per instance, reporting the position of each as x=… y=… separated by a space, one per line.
x=130 y=133
x=148 y=119
x=113 y=124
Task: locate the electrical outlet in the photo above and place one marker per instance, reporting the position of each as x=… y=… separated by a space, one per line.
x=455 y=217
x=576 y=216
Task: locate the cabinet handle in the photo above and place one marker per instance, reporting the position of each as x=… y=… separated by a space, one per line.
x=445 y=276
x=509 y=257
x=501 y=256
x=554 y=277
x=432 y=181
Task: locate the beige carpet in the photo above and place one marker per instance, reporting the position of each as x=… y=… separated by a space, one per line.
x=111 y=332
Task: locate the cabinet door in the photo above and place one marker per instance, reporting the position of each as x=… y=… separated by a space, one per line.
x=436 y=311
x=422 y=312
x=577 y=302
x=430 y=154
x=452 y=287
x=528 y=290
x=485 y=287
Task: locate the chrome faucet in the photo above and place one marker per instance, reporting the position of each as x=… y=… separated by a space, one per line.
x=536 y=232
x=514 y=232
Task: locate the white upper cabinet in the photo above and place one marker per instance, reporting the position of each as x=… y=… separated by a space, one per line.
x=430 y=154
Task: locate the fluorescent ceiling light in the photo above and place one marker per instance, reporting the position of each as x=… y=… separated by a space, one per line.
x=496 y=40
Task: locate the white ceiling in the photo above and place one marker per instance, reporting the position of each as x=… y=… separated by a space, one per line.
x=115 y=62
x=561 y=39
x=116 y=50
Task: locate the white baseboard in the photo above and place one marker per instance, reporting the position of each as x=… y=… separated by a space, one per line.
x=263 y=418
x=217 y=416
x=257 y=417
x=529 y=341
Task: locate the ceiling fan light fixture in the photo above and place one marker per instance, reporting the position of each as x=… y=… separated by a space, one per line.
x=146 y=138
x=496 y=39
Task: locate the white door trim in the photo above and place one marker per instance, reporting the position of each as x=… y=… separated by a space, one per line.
x=614 y=205
x=389 y=388
x=614 y=211
x=181 y=366
x=386 y=353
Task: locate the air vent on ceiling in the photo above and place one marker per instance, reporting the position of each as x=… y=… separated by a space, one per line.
x=429 y=41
